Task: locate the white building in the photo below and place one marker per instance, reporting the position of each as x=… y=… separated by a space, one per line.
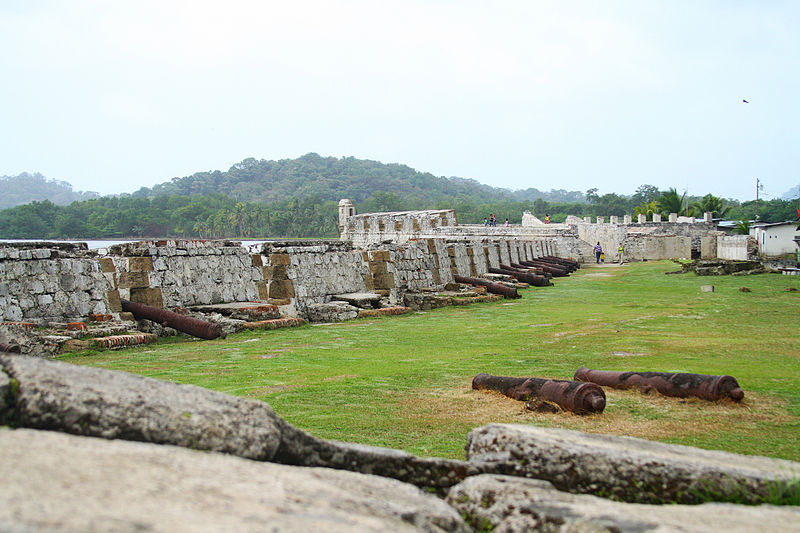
x=776 y=239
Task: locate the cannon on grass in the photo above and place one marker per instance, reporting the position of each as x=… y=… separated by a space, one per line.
x=550 y=268
x=195 y=327
x=494 y=288
x=677 y=384
x=522 y=275
x=578 y=397
x=569 y=263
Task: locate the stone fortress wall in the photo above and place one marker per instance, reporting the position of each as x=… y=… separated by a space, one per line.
x=383 y=254
x=677 y=237
x=56 y=282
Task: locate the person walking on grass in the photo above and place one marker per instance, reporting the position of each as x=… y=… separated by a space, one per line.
x=621 y=253
x=597 y=251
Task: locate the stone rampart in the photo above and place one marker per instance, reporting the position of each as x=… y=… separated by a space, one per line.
x=48 y=282
x=681 y=237
x=182 y=272
x=51 y=281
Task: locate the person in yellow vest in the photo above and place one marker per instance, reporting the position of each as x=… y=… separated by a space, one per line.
x=621 y=253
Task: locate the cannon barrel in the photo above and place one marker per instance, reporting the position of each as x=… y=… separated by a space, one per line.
x=521 y=275
x=10 y=348
x=575 y=396
x=669 y=384
x=550 y=268
x=185 y=324
x=532 y=269
x=573 y=265
x=494 y=288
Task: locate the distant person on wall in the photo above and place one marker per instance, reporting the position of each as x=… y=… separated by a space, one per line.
x=547 y=219
x=506 y=222
x=621 y=252
x=492 y=220
x=598 y=250
x=485 y=221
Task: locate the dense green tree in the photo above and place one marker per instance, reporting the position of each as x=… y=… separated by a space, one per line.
x=647 y=209
x=670 y=202
x=645 y=194
x=709 y=203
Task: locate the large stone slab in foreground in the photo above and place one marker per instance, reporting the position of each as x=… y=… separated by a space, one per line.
x=511 y=504
x=43 y=394
x=624 y=468
x=58 y=482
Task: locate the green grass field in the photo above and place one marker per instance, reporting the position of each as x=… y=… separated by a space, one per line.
x=405 y=381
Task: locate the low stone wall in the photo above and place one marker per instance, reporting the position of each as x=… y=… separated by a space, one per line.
x=398 y=227
x=182 y=272
x=46 y=282
x=51 y=281
x=736 y=247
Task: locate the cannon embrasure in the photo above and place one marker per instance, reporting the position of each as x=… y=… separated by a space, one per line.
x=195 y=327
x=703 y=386
x=494 y=288
x=576 y=396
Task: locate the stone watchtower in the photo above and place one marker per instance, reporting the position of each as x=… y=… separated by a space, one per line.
x=346 y=209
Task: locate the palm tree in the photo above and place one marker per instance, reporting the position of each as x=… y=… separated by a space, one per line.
x=710 y=203
x=742 y=227
x=670 y=202
x=647 y=209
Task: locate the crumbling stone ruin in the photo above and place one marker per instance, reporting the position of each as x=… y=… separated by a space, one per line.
x=677 y=237
x=63 y=296
x=92 y=449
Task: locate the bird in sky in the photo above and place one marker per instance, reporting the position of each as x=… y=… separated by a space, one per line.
x=745 y=101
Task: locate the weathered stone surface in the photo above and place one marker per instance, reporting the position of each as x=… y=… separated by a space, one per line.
x=131 y=280
x=425 y=301
x=300 y=448
x=331 y=312
x=140 y=264
x=58 y=482
x=510 y=504
x=102 y=403
x=279 y=259
x=115 y=405
x=623 y=468
x=281 y=289
x=151 y=297
x=364 y=300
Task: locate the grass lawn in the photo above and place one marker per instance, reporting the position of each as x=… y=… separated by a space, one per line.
x=405 y=381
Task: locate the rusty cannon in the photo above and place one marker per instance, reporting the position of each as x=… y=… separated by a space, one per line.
x=572 y=265
x=549 y=268
x=195 y=327
x=10 y=348
x=578 y=397
x=494 y=288
x=703 y=386
x=522 y=275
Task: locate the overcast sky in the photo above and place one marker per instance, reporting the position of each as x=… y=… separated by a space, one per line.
x=114 y=95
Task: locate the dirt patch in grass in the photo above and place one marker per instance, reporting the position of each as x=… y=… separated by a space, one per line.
x=257 y=392
x=597 y=275
x=627 y=413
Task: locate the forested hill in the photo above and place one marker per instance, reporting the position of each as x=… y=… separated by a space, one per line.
x=25 y=188
x=331 y=178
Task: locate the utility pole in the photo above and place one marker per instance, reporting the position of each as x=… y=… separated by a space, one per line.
x=758 y=188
